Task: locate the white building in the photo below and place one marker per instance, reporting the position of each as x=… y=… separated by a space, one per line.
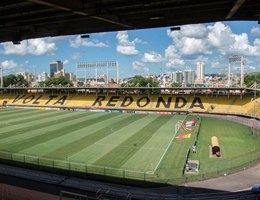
x=177 y=77
x=200 y=73
x=42 y=77
x=188 y=77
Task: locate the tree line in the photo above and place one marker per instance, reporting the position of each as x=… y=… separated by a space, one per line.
x=137 y=81
x=12 y=80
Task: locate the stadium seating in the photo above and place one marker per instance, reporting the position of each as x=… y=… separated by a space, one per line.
x=245 y=106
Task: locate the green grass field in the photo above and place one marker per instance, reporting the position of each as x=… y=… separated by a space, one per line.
x=136 y=146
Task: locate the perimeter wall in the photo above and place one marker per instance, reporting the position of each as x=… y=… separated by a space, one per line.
x=245 y=106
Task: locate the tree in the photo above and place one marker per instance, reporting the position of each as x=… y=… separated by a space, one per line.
x=139 y=81
x=13 y=80
x=60 y=81
x=176 y=84
x=21 y=81
x=251 y=78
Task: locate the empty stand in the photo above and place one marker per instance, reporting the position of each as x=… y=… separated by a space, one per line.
x=236 y=105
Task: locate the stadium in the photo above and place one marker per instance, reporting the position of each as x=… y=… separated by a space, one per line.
x=140 y=136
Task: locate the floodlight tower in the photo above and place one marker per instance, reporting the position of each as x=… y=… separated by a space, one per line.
x=105 y=65
x=236 y=59
x=1 y=77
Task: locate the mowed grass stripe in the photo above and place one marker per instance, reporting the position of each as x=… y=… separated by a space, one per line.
x=24 y=127
x=119 y=155
x=40 y=115
x=20 y=113
x=154 y=148
x=11 y=110
x=19 y=146
x=33 y=133
x=47 y=147
x=99 y=149
x=88 y=140
x=8 y=111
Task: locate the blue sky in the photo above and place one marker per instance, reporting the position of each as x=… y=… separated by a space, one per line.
x=144 y=52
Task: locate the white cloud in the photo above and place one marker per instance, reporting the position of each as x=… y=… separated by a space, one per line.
x=250 y=68
x=195 y=42
x=220 y=36
x=140 y=67
x=152 y=57
x=76 y=56
x=216 y=64
x=65 y=62
x=125 y=46
x=33 y=46
x=190 y=40
x=198 y=31
x=255 y=31
x=58 y=38
x=223 y=40
x=172 y=57
x=193 y=46
x=86 y=43
x=8 y=64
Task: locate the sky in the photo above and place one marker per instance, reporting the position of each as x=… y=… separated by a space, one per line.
x=142 y=52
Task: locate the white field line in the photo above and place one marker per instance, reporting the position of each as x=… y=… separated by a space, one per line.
x=164 y=153
x=152 y=172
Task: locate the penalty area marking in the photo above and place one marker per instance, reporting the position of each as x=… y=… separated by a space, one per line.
x=164 y=153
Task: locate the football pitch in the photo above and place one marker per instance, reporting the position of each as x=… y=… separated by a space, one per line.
x=124 y=145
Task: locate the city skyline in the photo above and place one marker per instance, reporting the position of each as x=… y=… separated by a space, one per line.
x=142 y=52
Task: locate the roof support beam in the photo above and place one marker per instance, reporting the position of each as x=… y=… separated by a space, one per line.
x=78 y=12
x=235 y=8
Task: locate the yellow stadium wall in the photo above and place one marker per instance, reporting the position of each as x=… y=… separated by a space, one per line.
x=183 y=103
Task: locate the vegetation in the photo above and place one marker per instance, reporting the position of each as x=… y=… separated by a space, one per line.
x=60 y=81
x=251 y=78
x=140 y=81
x=17 y=81
x=176 y=85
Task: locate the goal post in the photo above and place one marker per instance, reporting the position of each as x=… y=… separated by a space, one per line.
x=178 y=126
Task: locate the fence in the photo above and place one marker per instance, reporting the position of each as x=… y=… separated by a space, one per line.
x=75 y=167
x=230 y=166
x=196 y=133
x=250 y=122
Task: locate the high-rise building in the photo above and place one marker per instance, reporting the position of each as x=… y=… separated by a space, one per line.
x=55 y=67
x=200 y=72
x=60 y=73
x=1 y=77
x=42 y=77
x=176 y=77
x=188 y=77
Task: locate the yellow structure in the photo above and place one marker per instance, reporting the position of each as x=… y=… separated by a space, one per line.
x=245 y=106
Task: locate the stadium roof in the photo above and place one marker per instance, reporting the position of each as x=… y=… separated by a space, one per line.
x=21 y=19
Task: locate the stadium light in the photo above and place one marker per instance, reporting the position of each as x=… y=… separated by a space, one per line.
x=177 y=28
x=16 y=42
x=84 y=36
